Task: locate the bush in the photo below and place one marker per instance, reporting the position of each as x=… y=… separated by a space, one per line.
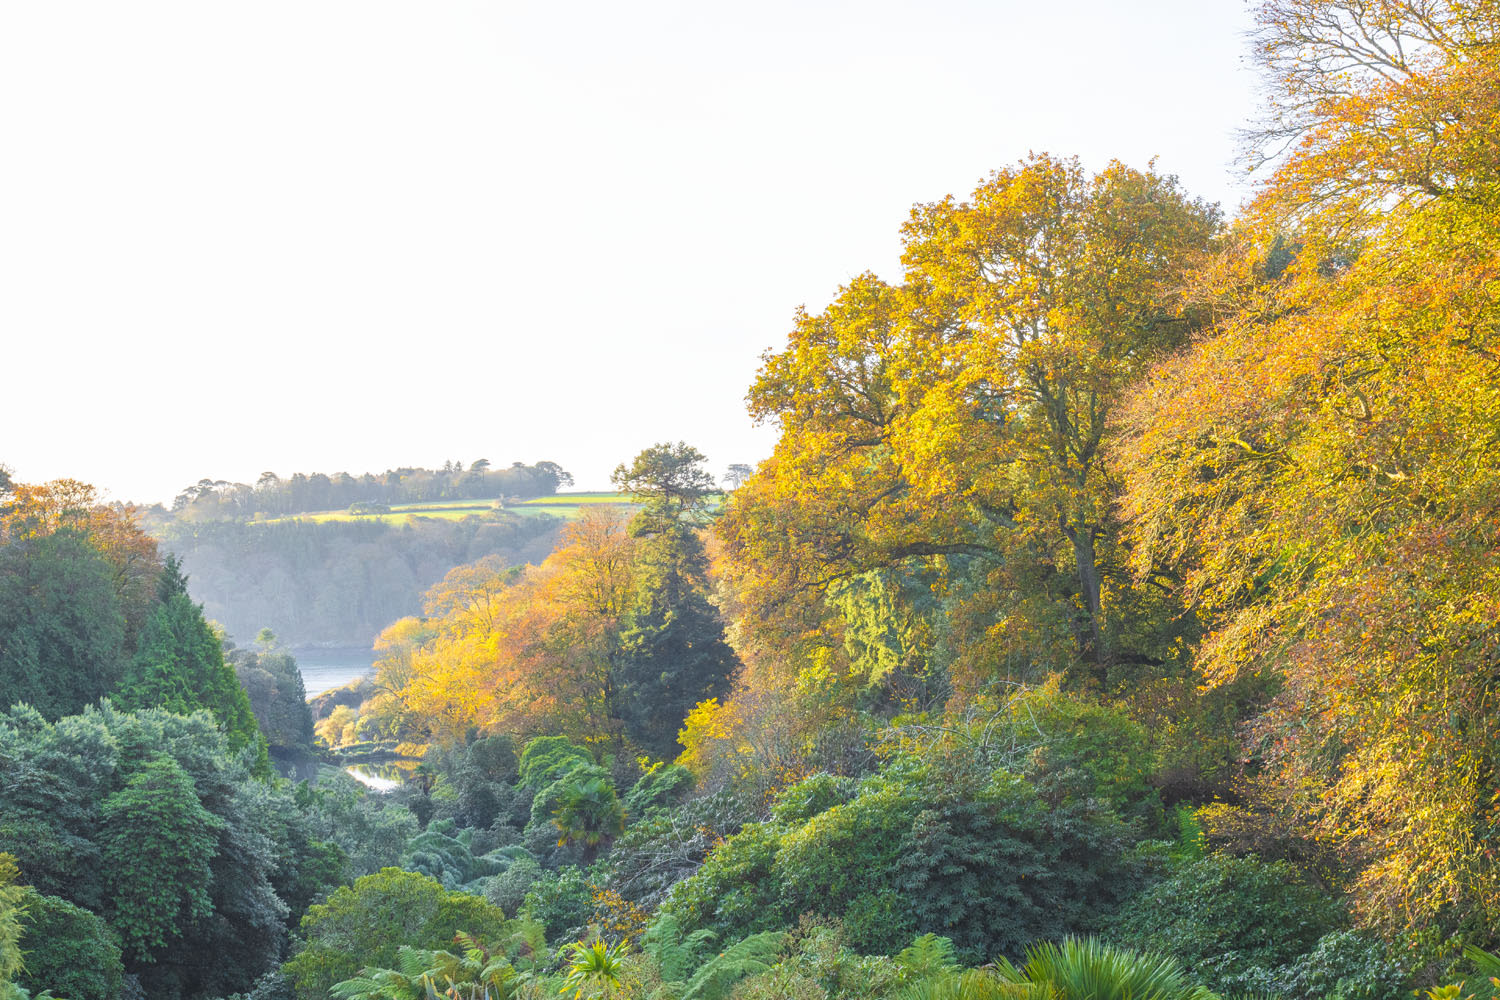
x=1345 y=965
x=1228 y=919
x=365 y=924
x=68 y=950
x=562 y=902
x=735 y=893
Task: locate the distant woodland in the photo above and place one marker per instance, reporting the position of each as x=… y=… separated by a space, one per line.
x=272 y=496
x=339 y=582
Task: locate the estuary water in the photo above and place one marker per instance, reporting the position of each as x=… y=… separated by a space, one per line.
x=326 y=669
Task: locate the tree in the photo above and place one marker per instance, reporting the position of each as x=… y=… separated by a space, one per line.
x=673 y=653
x=156 y=844
x=958 y=423
x=12 y=912
x=69 y=951
x=180 y=666
x=1315 y=474
x=670 y=479
x=737 y=473
x=365 y=925
x=62 y=632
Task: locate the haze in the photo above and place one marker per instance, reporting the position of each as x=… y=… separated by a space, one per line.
x=356 y=235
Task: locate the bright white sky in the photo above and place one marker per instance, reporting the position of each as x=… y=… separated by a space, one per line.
x=347 y=235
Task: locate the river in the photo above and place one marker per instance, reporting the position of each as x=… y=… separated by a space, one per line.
x=326 y=669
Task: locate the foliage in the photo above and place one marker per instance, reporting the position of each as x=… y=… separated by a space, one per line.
x=364 y=926
x=147 y=820
x=62 y=631
x=68 y=950
x=1224 y=918
x=156 y=845
x=548 y=758
x=661 y=787
x=12 y=913
x=1088 y=968
x=179 y=666
x=594 y=970
x=1314 y=475
x=562 y=901
x=278 y=698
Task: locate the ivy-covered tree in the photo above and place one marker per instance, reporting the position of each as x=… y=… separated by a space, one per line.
x=156 y=844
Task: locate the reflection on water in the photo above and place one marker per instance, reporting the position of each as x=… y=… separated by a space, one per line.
x=385 y=777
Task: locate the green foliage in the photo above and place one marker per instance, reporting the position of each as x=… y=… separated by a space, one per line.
x=123 y=813
x=662 y=786
x=1088 y=969
x=62 y=630
x=747 y=957
x=156 y=844
x=673 y=654
x=179 y=666
x=1227 y=918
x=508 y=889
x=69 y=951
x=12 y=912
x=365 y=925
x=735 y=891
x=476 y=973
x=278 y=698
x=842 y=862
x=677 y=954
x=371 y=830
x=587 y=813
x=548 y=758
x=1346 y=965
x=807 y=798
x=562 y=901
x=594 y=969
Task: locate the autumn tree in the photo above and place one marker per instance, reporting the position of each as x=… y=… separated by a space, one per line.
x=1317 y=473
x=957 y=422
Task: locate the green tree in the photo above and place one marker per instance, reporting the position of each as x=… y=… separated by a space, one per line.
x=156 y=844
x=62 y=632
x=365 y=925
x=69 y=951
x=670 y=479
x=12 y=912
x=180 y=666
x=673 y=654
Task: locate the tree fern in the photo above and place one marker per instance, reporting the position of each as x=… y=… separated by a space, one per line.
x=675 y=954
x=749 y=957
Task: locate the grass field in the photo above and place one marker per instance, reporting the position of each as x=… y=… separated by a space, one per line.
x=564 y=505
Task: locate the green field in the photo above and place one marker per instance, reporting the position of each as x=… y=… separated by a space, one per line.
x=564 y=505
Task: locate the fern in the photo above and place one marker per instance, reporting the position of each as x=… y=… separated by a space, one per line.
x=676 y=955
x=928 y=956
x=750 y=957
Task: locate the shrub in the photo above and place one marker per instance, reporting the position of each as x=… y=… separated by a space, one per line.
x=1229 y=918
x=68 y=950
x=365 y=924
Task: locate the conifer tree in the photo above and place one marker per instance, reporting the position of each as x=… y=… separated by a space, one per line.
x=179 y=666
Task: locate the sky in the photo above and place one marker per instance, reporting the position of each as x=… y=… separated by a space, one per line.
x=352 y=235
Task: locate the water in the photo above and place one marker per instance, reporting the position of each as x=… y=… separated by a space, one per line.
x=326 y=669
x=376 y=777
